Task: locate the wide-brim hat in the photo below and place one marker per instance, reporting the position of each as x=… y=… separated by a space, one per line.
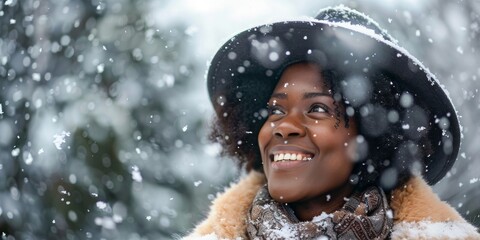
x=245 y=70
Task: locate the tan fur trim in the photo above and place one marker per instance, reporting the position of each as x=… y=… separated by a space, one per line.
x=227 y=213
x=415 y=201
x=417 y=212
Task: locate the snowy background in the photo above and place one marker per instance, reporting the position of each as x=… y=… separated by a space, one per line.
x=104 y=111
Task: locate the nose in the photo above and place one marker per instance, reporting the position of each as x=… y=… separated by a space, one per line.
x=289 y=126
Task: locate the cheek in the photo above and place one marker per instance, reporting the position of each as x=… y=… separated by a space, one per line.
x=264 y=136
x=334 y=172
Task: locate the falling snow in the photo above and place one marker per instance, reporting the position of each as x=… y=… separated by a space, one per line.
x=136 y=176
x=59 y=139
x=101 y=205
x=28 y=158
x=118 y=75
x=15 y=152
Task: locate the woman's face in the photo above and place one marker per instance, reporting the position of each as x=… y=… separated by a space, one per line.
x=306 y=152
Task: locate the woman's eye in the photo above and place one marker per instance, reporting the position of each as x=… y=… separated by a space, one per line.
x=318 y=108
x=276 y=111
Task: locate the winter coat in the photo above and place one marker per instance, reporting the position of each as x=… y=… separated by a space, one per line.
x=418 y=213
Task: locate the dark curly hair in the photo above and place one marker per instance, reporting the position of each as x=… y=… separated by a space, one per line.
x=393 y=127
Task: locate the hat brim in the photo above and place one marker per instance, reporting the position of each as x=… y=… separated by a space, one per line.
x=247 y=68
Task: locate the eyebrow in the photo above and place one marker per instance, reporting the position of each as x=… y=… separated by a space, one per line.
x=305 y=95
x=316 y=94
x=279 y=95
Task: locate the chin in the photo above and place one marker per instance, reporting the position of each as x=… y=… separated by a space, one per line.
x=283 y=195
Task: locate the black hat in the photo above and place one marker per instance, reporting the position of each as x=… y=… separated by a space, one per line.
x=245 y=70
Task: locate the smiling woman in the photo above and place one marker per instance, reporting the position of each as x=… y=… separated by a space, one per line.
x=341 y=131
x=304 y=154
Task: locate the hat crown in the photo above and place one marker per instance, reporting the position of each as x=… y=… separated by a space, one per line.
x=342 y=14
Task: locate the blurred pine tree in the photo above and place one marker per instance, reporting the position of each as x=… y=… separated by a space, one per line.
x=107 y=76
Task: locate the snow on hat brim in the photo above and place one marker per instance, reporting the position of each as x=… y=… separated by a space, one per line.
x=245 y=70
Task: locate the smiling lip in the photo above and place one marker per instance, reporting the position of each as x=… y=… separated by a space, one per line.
x=287 y=165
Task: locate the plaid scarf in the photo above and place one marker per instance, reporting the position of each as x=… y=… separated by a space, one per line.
x=365 y=215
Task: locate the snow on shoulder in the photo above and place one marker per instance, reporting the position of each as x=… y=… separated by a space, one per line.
x=434 y=230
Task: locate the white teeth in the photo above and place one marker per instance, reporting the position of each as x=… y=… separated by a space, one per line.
x=291 y=157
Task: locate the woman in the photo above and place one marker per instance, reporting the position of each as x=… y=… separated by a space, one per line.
x=341 y=131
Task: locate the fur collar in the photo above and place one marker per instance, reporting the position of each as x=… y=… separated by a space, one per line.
x=418 y=213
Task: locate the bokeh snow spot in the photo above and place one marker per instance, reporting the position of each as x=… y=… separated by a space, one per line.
x=136 y=176
x=59 y=139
